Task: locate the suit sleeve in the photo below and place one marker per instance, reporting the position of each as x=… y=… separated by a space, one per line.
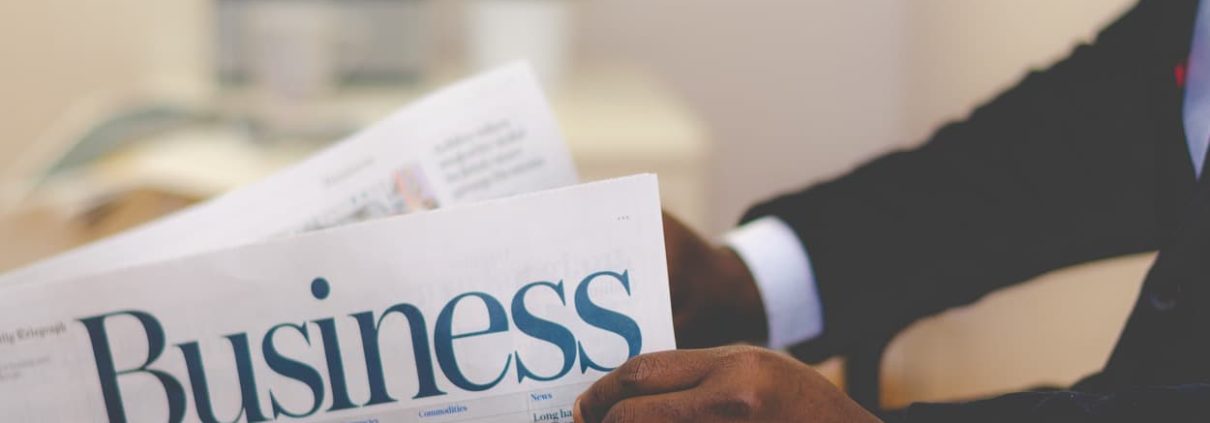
x=1167 y=404
x=1058 y=170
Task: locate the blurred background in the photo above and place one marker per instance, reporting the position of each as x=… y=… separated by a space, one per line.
x=118 y=111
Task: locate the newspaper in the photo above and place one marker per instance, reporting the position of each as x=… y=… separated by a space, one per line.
x=501 y=311
x=488 y=137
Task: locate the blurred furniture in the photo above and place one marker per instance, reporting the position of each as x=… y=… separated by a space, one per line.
x=38 y=232
x=617 y=120
x=371 y=40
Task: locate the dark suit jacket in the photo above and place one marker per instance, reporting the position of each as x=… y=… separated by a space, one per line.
x=1083 y=161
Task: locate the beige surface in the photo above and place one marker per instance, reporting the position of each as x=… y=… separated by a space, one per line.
x=33 y=233
x=1051 y=331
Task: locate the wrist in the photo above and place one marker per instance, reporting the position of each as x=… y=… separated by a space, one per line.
x=743 y=309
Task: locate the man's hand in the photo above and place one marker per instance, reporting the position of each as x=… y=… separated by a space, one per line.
x=729 y=384
x=715 y=301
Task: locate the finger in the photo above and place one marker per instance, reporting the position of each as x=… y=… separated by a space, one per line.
x=675 y=407
x=648 y=374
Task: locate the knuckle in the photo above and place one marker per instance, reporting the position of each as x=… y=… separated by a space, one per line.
x=748 y=357
x=634 y=373
x=741 y=403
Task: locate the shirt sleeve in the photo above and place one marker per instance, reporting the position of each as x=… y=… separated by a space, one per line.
x=782 y=270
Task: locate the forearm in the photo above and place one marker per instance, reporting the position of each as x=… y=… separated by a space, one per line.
x=1049 y=174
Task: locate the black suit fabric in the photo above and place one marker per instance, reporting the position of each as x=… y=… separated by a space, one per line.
x=1082 y=161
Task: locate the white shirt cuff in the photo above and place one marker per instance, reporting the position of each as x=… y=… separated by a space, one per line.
x=782 y=270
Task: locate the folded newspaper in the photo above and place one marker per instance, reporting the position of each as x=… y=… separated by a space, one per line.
x=501 y=307
x=488 y=137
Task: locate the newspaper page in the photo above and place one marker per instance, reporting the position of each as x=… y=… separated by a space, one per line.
x=496 y=312
x=488 y=137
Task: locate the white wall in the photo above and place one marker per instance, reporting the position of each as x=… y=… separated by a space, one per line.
x=800 y=90
x=792 y=90
x=56 y=52
x=963 y=52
